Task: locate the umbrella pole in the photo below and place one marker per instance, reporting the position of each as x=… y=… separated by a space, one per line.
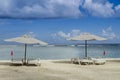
x=85 y=48
x=25 y=53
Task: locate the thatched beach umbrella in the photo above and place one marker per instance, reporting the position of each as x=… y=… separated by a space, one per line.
x=87 y=37
x=26 y=39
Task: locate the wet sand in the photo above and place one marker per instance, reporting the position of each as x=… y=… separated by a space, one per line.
x=61 y=70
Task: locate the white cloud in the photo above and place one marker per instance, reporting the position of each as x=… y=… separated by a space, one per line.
x=57 y=8
x=117 y=9
x=32 y=34
x=75 y=32
x=39 y=8
x=109 y=34
x=62 y=35
x=5 y=7
x=99 y=8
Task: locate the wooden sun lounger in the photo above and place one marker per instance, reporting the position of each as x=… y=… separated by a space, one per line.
x=33 y=62
x=29 y=62
x=75 y=60
x=16 y=62
x=86 y=62
x=99 y=61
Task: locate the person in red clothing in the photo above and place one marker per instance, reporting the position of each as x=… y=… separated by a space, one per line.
x=12 y=53
x=104 y=52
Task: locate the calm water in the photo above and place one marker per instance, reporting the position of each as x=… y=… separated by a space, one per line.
x=59 y=52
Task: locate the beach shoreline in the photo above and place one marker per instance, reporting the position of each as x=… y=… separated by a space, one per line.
x=61 y=70
x=64 y=60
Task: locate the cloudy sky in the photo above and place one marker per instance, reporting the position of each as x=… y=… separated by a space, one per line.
x=55 y=20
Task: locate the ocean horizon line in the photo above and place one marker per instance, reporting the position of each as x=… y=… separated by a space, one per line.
x=68 y=44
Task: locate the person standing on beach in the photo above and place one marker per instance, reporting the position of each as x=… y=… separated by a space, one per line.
x=104 y=52
x=12 y=53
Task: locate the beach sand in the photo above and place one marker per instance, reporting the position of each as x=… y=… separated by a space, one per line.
x=61 y=70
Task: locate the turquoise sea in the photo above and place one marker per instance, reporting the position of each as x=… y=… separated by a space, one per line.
x=59 y=52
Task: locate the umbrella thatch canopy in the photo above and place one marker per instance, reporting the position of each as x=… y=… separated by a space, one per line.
x=26 y=39
x=87 y=37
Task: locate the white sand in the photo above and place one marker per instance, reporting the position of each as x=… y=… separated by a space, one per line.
x=55 y=70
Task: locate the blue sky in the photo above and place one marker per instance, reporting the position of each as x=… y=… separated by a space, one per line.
x=55 y=20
